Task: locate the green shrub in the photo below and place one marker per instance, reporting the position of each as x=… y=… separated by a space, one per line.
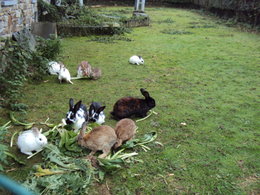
x=19 y=107
x=48 y=12
x=19 y=64
x=49 y=48
x=13 y=71
x=3 y=148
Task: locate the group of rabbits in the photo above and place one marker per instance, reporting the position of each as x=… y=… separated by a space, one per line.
x=101 y=138
x=84 y=69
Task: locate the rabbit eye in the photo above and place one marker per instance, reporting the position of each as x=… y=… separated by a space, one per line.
x=40 y=139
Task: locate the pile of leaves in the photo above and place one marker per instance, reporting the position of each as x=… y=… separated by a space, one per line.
x=60 y=174
x=67 y=168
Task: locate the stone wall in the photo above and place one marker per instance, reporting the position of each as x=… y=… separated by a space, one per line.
x=16 y=15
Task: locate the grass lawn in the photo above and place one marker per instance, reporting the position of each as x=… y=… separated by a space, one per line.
x=200 y=72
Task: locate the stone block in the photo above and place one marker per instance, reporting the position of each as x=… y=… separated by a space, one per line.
x=44 y=29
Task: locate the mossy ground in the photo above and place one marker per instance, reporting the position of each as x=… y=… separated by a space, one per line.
x=207 y=78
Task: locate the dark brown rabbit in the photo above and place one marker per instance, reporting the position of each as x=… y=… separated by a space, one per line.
x=100 y=138
x=125 y=130
x=127 y=107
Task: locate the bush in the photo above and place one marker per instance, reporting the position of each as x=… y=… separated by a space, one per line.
x=3 y=148
x=48 y=12
x=19 y=64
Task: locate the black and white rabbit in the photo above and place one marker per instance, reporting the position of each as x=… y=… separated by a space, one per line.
x=54 y=68
x=136 y=60
x=77 y=115
x=96 y=113
x=130 y=106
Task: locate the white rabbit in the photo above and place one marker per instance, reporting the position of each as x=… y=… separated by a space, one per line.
x=31 y=140
x=64 y=74
x=54 y=67
x=136 y=60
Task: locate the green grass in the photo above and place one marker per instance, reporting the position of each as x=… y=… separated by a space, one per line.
x=208 y=78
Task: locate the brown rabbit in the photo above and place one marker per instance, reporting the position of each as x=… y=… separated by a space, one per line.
x=95 y=73
x=84 y=69
x=100 y=138
x=125 y=130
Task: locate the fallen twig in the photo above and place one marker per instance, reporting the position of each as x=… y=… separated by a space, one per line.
x=34 y=154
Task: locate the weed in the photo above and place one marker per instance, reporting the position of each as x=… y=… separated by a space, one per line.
x=166 y=21
x=110 y=39
x=202 y=26
x=176 y=32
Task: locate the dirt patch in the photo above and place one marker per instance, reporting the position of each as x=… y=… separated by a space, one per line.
x=248 y=184
x=101 y=189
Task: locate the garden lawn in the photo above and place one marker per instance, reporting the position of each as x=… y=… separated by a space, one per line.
x=200 y=72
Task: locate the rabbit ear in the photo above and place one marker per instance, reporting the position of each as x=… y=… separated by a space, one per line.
x=100 y=109
x=91 y=109
x=83 y=129
x=140 y=57
x=145 y=93
x=71 y=103
x=36 y=131
x=77 y=106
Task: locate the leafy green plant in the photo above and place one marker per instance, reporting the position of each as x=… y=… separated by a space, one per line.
x=48 y=12
x=61 y=174
x=19 y=107
x=13 y=71
x=74 y=174
x=3 y=148
x=19 y=64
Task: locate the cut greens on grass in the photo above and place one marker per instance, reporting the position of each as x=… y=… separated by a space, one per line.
x=64 y=161
x=61 y=167
x=16 y=122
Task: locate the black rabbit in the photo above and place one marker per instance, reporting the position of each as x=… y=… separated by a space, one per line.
x=130 y=106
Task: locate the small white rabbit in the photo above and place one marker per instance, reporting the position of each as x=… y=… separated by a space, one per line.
x=54 y=67
x=64 y=74
x=31 y=140
x=136 y=60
